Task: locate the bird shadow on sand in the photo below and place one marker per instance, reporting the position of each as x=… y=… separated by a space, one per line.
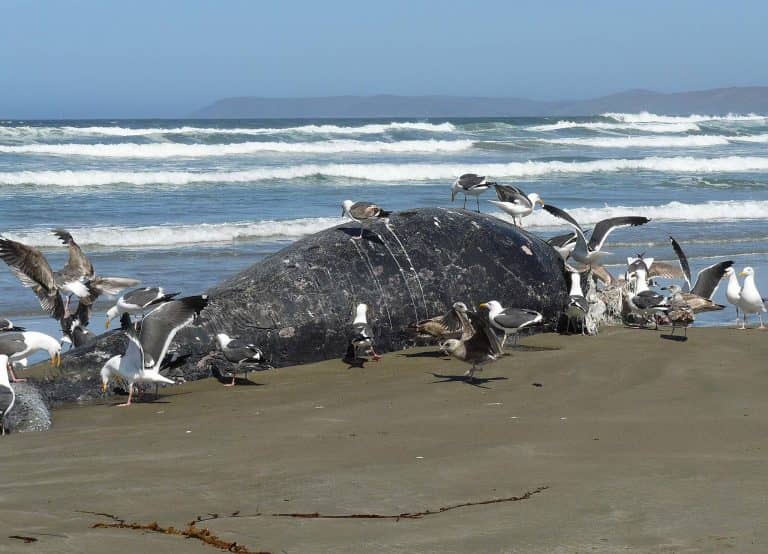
x=674 y=338
x=428 y=354
x=474 y=381
x=526 y=348
x=354 y=232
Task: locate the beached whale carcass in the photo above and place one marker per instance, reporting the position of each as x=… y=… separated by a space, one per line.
x=297 y=304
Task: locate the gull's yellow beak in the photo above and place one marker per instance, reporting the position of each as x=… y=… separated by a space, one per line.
x=540 y=201
x=742 y=274
x=58 y=359
x=483 y=306
x=106 y=324
x=53 y=360
x=103 y=387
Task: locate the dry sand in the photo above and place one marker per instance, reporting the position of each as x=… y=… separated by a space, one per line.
x=646 y=445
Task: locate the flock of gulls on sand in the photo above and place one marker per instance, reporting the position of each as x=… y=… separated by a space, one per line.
x=475 y=337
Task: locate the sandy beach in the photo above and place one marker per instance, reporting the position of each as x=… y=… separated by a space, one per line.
x=643 y=444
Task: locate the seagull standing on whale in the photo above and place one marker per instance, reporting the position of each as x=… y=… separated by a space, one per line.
x=361 y=211
x=470 y=184
x=513 y=201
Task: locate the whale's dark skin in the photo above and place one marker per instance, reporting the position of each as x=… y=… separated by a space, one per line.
x=297 y=305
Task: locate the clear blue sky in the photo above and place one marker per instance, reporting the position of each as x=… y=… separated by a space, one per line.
x=139 y=58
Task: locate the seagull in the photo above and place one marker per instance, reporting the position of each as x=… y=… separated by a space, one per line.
x=482 y=348
x=76 y=334
x=7 y=394
x=733 y=292
x=680 y=312
x=6 y=325
x=238 y=352
x=19 y=345
x=362 y=341
x=644 y=301
x=578 y=307
x=76 y=277
x=137 y=301
x=563 y=244
x=470 y=184
x=454 y=324
x=750 y=300
x=707 y=281
x=588 y=253
x=510 y=321
x=513 y=201
x=147 y=347
x=360 y=211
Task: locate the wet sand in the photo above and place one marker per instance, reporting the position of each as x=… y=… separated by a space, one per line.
x=645 y=445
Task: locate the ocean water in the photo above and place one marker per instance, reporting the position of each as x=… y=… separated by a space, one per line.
x=187 y=203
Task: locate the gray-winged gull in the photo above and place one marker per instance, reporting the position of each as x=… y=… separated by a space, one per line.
x=515 y=202
x=470 y=184
x=147 y=348
x=138 y=301
x=239 y=353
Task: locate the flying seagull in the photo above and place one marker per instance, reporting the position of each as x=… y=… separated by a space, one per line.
x=138 y=301
x=588 y=253
x=513 y=201
x=239 y=353
x=147 y=348
x=76 y=277
x=482 y=348
x=470 y=184
x=361 y=211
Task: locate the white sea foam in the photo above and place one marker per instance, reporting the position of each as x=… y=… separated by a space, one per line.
x=177 y=150
x=180 y=235
x=646 y=117
x=673 y=211
x=690 y=141
x=388 y=172
x=674 y=127
x=22 y=131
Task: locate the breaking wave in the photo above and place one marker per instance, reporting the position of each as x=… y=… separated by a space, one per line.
x=391 y=172
x=177 y=150
x=691 y=141
x=368 y=129
x=673 y=211
x=673 y=127
x=646 y=117
x=180 y=235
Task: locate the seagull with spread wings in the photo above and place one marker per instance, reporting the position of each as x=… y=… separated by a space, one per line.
x=77 y=277
x=589 y=252
x=147 y=347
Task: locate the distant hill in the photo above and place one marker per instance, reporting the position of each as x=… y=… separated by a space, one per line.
x=714 y=101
